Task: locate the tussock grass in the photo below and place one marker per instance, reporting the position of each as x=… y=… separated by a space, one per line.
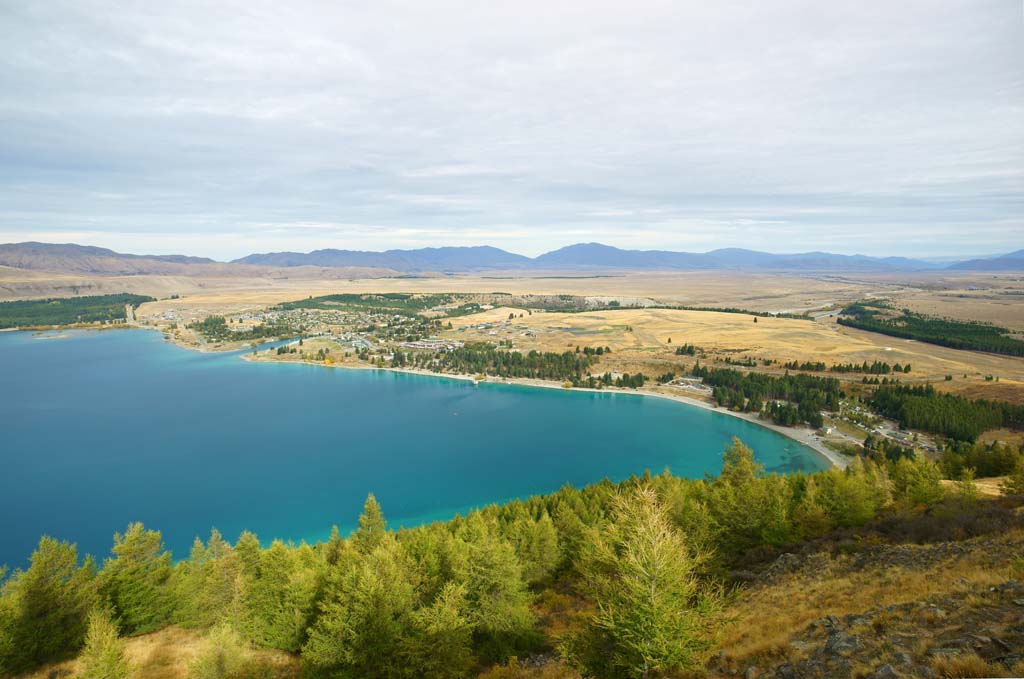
x=168 y=654
x=966 y=665
x=766 y=617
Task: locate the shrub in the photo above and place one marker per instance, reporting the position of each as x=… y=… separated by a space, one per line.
x=103 y=655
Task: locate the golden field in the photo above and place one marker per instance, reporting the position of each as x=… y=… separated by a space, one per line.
x=640 y=338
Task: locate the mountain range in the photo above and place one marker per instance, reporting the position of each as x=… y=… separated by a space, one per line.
x=82 y=259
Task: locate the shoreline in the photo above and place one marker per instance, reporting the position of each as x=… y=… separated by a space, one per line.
x=803 y=436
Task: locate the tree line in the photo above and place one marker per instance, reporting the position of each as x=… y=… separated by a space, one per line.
x=952 y=416
x=440 y=600
x=68 y=310
x=804 y=396
x=216 y=328
x=874 y=368
x=482 y=358
x=986 y=459
x=942 y=331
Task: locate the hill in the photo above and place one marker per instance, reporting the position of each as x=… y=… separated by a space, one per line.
x=1012 y=261
x=596 y=255
x=87 y=259
x=82 y=259
x=98 y=264
x=423 y=259
x=586 y=256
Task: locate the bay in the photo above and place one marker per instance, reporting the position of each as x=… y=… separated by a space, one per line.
x=99 y=429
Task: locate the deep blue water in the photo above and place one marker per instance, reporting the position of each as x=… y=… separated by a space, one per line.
x=98 y=429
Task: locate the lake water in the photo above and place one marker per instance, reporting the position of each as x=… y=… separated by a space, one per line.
x=98 y=429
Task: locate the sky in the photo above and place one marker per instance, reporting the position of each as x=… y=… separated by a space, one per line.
x=221 y=129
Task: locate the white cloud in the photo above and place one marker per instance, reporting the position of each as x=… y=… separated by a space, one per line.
x=787 y=125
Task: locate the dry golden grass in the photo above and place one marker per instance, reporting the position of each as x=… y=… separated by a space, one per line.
x=232 y=294
x=643 y=335
x=166 y=655
x=988 y=486
x=766 y=617
x=976 y=386
x=1007 y=435
x=991 y=298
x=966 y=665
x=515 y=670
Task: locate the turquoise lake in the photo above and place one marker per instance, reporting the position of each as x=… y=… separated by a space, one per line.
x=99 y=429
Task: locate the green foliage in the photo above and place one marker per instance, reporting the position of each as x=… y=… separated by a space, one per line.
x=68 y=310
x=536 y=543
x=654 y=614
x=136 y=581
x=483 y=359
x=986 y=459
x=400 y=303
x=873 y=368
x=882 y=448
x=434 y=601
x=277 y=597
x=44 y=609
x=207 y=584
x=853 y=496
x=810 y=518
x=440 y=643
x=103 y=656
x=747 y=508
x=916 y=481
x=963 y=419
x=363 y=621
x=747 y=391
x=217 y=329
x=942 y=331
x=498 y=602
x=372 y=527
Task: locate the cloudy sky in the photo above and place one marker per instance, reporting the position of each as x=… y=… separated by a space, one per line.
x=223 y=128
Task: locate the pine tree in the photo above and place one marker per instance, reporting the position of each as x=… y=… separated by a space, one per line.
x=44 y=609
x=809 y=516
x=277 y=605
x=440 y=641
x=495 y=591
x=103 y=656
x=916 y=481
x=136 y=580
x=537 y=546
x=748 y=508
x=372 y=526
x=653 y=614
x=360 y=631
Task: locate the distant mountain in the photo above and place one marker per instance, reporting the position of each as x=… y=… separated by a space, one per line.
x=87 y=259
x=83 y=259
x=596 y=255
x=1012 y=261
x=424 y=259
